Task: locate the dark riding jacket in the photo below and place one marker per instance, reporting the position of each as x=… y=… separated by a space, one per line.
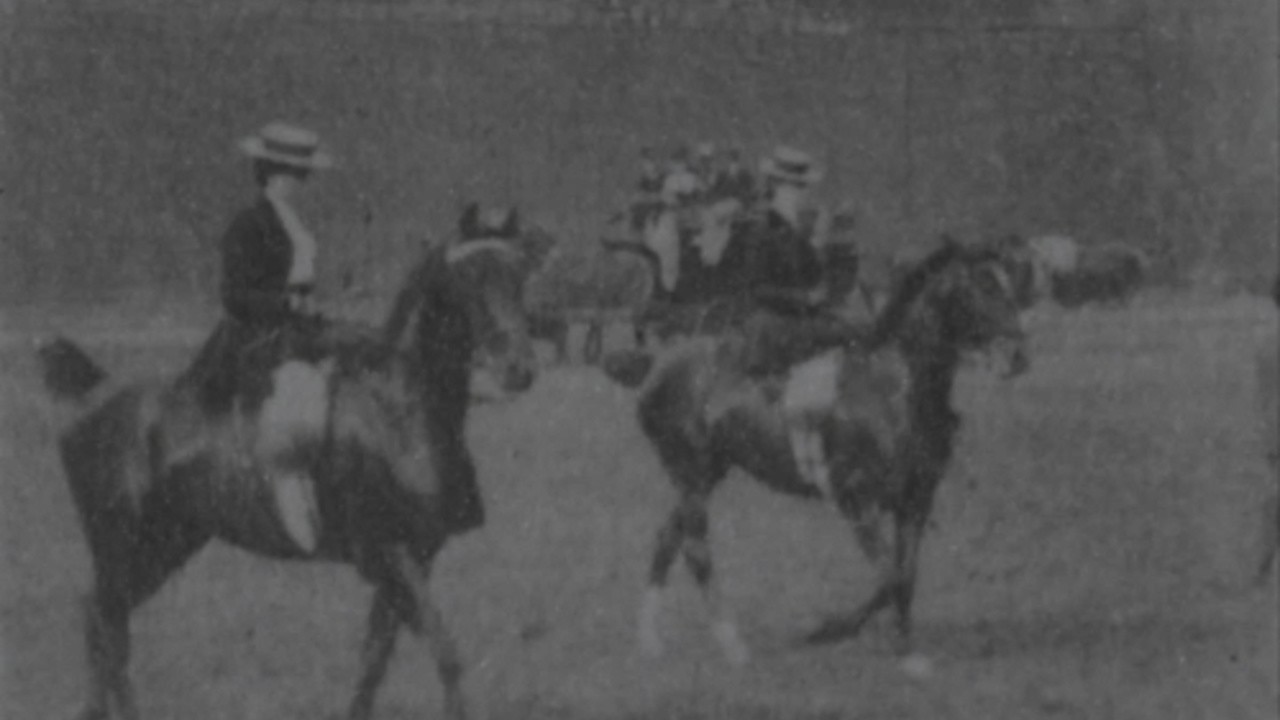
x=779 y=257
x=258 y=326
x=788 y=326
x=256 y=257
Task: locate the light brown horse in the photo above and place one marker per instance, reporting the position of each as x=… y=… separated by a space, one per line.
x=154 y=480
x=888 y=438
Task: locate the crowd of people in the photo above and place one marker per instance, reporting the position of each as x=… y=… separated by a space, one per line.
x=702 y=177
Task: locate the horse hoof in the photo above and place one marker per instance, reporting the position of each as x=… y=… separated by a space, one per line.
x=917 y=667
x=731 y=644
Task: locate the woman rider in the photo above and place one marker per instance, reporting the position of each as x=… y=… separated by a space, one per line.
x=268 y=275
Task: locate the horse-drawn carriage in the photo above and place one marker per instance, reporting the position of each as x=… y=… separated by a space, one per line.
x=703 y=273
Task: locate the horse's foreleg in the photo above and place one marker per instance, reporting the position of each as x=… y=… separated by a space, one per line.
x=669 y=539
x=697 y=555
x=841 y=627
x=910 y=531
x=866 y=525
x=107 y=641
x=379 y=643
x=444 y=648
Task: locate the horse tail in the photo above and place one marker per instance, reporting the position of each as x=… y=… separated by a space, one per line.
x=70 y=375
x=628 y=368
x=1143 y=262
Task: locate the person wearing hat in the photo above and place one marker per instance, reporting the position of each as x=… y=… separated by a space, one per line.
x=796 y=321
x=781 y=260
x=734 y=180
x=704 y=164
x=267 y=278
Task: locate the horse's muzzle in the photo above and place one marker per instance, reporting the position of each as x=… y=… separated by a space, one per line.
x=1013 y=353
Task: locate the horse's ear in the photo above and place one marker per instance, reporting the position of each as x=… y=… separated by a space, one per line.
x=469 y=223
x=844 y=221
x=511 y=228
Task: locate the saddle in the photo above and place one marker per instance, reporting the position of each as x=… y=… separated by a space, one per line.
x=273 y=386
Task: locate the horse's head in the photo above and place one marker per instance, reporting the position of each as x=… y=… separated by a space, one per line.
x=488 y=277
x=1019 y=260
x=981 y=305
x=963 y=297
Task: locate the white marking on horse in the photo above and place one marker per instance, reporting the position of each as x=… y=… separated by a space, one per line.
x=464 y=250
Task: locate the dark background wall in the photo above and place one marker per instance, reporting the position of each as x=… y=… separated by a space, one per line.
x=1106 y=120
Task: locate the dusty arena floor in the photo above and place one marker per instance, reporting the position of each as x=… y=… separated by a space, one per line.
x=1091 y=558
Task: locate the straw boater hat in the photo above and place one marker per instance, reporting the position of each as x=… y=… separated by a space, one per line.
x=791 y=165
x=288 y=145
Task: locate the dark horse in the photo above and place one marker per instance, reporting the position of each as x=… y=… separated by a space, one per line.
x=888 y=439
x=154 y=480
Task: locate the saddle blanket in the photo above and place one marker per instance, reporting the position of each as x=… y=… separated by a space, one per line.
x=812 y=386
x=296 y=410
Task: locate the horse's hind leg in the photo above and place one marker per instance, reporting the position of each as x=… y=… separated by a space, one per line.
x=380 y=642
x=127 y=576
x=697 y=555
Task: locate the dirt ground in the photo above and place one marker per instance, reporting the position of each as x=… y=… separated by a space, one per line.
x=1092 y=556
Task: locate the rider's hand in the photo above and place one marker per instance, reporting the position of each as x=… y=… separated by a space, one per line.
x=302 y=302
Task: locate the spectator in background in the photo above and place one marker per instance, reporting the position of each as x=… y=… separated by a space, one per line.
x=789 y=176
x=681 y=188
x=648 y=198
x=650 y=184
x=734 y=180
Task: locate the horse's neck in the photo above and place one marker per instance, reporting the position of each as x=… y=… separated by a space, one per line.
x=934 y=359
x=442 y=366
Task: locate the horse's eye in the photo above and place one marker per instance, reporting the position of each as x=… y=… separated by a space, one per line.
x=992 y=280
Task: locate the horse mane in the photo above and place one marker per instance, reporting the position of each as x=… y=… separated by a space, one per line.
x=413 y=293
x=909 y=288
